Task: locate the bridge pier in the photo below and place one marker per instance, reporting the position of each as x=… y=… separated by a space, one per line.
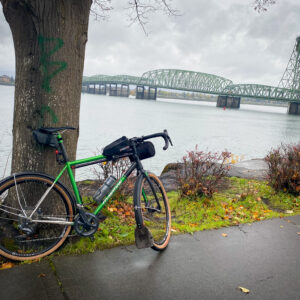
x=113 y=89
x=294 y=108
x=152 y=93
x=124 y=92
x=228 y=101
x=92 y=88
x=84 y=89
x=102 y=89
x=140 y=92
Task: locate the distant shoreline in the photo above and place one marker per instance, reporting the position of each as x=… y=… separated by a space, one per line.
x=243 y=100
x=6 y=83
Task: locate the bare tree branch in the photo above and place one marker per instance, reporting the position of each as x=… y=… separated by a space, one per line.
x=139 y=10
x=261 y=5
x=100 y=9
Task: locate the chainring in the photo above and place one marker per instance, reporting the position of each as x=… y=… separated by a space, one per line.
x=87 y=228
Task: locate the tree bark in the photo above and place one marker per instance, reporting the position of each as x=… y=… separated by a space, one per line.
x=49 y=39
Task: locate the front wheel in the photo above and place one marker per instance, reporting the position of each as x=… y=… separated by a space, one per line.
x=26 y=231
x=152 y=209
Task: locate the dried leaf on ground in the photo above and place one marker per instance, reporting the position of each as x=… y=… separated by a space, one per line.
x=224 y=234
x=7 y=265
x=244 y=290
x=41 y=275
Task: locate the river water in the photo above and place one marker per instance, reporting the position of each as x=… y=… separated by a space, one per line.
x=249 y=132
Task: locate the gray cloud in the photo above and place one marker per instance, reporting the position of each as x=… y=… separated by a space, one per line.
x=223 y=37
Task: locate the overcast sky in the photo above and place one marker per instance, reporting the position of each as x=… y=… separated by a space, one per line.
x=222 y=37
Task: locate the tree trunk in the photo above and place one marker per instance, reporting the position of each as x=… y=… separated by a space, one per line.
x=49 y=39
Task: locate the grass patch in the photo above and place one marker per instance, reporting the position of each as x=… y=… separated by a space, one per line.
x=238 y=201
x=243 y=201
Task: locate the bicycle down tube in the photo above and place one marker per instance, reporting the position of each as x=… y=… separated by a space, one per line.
x=69 y=166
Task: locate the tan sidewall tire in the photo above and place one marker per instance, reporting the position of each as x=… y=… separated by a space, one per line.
x=165 y=244
x=69 y=203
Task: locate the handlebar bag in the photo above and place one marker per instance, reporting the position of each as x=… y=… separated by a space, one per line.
x=145 y=150
x=118 y=147
x=45 y=138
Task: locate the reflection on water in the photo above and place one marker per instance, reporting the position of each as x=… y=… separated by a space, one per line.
x=250 y=131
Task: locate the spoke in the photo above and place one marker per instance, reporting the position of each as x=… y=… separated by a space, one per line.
x=3 y=196
x=42 y=199
x=9 y=212
x=3 y=218
x=44 y=239
x=9 y=207
x=19 y=197
x=23 y=197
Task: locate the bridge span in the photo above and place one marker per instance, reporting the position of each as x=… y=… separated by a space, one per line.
x=229 y=94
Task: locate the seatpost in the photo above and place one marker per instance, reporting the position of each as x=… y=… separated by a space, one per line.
x=62 y=149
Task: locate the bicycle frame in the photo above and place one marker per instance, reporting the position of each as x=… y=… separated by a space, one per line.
x=69 y=166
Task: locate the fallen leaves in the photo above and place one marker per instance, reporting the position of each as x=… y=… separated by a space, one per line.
x=244 y=290
x=41 y=275
x=7 y=265
x=224 y=234
x=122 y=209
x=298 y=233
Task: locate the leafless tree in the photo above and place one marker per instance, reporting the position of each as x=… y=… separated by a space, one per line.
x=262 y=5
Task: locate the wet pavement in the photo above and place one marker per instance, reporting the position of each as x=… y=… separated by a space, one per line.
x=263 y=257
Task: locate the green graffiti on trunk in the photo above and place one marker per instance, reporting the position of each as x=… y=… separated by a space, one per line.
x=46 y=109
x=47 y=65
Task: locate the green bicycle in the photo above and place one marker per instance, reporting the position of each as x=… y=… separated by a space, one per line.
x=37 y=212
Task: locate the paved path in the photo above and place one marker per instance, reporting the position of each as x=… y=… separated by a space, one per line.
x=263 y=257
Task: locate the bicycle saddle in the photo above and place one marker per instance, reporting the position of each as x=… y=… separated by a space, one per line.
x=51 y=130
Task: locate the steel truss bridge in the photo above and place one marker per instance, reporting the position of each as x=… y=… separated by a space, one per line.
x=288 y=89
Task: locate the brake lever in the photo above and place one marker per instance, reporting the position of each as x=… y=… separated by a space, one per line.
x=168 y=137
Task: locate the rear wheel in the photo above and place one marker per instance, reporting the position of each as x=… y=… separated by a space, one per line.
x=25 y=238
x=153 y=210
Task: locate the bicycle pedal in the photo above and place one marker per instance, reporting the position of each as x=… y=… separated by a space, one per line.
x=143 y=237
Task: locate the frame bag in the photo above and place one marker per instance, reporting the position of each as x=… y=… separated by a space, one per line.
x=118 y=147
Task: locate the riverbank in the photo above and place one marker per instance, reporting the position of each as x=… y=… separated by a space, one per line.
x=241 y=198
x=7 y=83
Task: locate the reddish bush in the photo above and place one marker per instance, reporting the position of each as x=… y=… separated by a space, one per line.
x=201 y=172
x=284 y=168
